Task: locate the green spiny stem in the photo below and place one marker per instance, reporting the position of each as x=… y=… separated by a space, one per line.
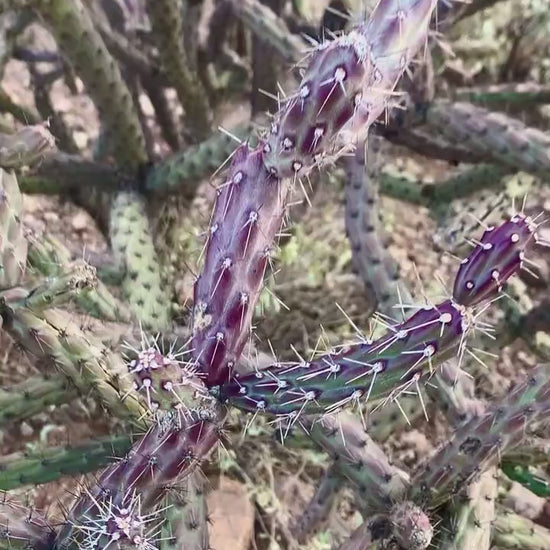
x=13 y=245
x=186 y=523
x=80 y=357
x=53 y=291
x=499 y=137
x=471 y=520
x=271 y=29
x=521 y=94
x=183 y=171
x=514 y=532
x=319 y=507
x=23 y=528
x=480 y=442
x=31 y=397
x=25 y=147
x=49 y=257
x=167 y=28
x=52 y=463
x=75 y=34
x=134 y=249
x=357 y=457
x=60 y=172
x=432 y=143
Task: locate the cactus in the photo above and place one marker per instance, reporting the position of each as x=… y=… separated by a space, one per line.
x=177 y=387
x=13 y=245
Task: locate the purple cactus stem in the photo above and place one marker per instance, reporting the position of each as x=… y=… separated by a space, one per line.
x=374 y=370
x=498 y=256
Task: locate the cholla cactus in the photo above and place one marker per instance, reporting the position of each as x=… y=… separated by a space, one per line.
x=176 y=387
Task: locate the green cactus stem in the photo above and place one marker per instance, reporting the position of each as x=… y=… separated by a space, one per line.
x=77 y=37
x=134 y=250
x=53 y=291
x=79 y=356
x=516 y=94
x=49 y=464
x=537 y=484
x=13 y=245
x=472 y=517
x=186 y=523
x=31 y=397
x=359 y=459
x=22 y=528
x=25 y=147
x=49 y=257
x=514 y=532
x=497 y=136
x=167 y=27
x=480 y=442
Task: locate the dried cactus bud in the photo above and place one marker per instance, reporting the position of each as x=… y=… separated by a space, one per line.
x=411 y=526
x=497 y=257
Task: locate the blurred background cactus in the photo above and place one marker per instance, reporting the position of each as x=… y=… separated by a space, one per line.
x=274 y=274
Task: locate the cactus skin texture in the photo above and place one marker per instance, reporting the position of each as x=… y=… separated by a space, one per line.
x=479 y=443
x=248 y=213
x=511 y=531
x=21 y=528
x=495 y=259
x=388 y=366
x=13 y=245
x=346 y=87
x=366 y=370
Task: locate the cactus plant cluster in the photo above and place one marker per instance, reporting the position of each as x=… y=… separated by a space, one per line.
x=173 y=386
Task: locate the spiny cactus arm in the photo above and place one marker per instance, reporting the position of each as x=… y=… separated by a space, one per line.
x=53 y=291
x=471 y=517
x=367 y=237
x=78 y=356
x=50 y=258
x=77 y=37
x=270 y=28
x=359 y=459
x=166 y=454
x=249 y=212
x=345 y=88
x=49 y=464
x=497 y=136
x=517 y=94
x=167 y=27
x=533 y=451
x=182 y=171
x=60 y=172
x=186 y=523
x=22 y=528
x=319 y=507
x=134 y=250
x=480 y=442
x=13 y=244
x=25 y=147
x=31 y=397
x=515 y=532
